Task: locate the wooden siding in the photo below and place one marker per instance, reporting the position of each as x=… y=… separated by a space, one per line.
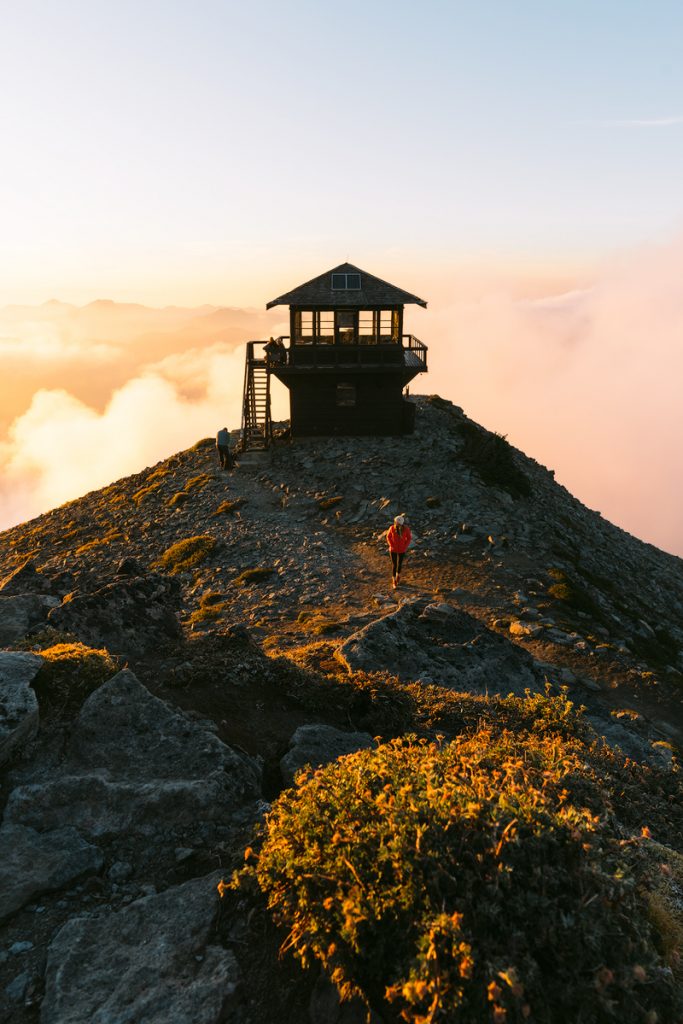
x=378 y=410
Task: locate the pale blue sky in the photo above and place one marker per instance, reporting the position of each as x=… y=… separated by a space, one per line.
x=178 y=151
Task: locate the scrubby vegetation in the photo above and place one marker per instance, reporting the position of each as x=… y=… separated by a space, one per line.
x=70 y=673
x=480 y=879
x=326 y=503
x=230 y=506
x=186 y=554
x=492 y=458
x=211 y=607
x=316 y=623
x=196 y=483
x=179 y=498
x=256 y=575
x=108 y=538
x=573 y=595
x=144 y=492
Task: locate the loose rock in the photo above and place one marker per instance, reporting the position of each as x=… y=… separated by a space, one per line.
x=32 y=863
x=151 y=962
x=18 y=702
x=316 y=745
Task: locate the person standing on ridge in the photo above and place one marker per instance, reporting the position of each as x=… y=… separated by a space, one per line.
x=223 y=446
x=398 y=539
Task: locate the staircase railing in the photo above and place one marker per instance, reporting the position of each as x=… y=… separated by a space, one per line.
x=257 y=426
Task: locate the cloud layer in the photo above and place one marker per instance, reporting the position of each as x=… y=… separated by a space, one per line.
x=583 y=376
x=587 y=382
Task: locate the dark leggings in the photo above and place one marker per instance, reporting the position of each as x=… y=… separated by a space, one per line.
x=397 y=561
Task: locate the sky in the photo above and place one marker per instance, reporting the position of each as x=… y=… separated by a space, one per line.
x=517 y=165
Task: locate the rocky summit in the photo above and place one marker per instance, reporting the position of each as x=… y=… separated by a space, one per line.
x=184 y=646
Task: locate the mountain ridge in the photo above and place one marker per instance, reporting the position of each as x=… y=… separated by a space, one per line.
x=259 y=603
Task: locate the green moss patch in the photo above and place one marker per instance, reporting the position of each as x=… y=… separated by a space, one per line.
x=144 y=492
x=178 y=499
x=70 y=673
x=196 y=483
x=110 y=537
x=211 y=607
x=230 y=506
x=186 y=554
x=330 y=502
x=256 y=575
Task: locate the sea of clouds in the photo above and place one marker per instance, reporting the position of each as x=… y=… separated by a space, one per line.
x=586 y=380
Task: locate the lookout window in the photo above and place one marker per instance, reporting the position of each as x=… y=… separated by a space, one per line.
x=346 y=395
x=345 y=282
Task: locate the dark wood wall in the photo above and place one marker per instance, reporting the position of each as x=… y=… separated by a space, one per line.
x=379 y=405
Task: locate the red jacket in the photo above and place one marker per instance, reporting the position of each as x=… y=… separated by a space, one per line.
x=399 y=542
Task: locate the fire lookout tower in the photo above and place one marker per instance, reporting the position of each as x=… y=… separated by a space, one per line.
x=345 y=362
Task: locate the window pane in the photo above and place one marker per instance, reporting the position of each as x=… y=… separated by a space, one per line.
x=306 y=328
x=339 y=281
x=385 y=321
x=353 y=281
x=326 y=327
x=366 y=324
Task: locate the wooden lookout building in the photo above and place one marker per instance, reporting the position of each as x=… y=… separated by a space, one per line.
x=346 y=360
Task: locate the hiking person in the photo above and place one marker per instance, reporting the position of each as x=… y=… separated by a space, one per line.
x=398 y=539
x=281 y=352
x=271 y=351
x=223 y=446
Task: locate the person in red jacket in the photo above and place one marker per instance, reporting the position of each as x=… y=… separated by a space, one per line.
x=398 y=539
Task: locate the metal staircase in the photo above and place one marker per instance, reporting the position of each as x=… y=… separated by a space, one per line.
x=256 y=422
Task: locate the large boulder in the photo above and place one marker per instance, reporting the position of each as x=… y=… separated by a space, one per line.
x=135 y=765
x=32 y=863
x=26 y=580
x=316 y=745
x=18 y=702
x=440 y=644
x=152 y=961
x=129 y=616
x=22 y=612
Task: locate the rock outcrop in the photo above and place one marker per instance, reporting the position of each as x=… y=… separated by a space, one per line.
x=128 y=616
x=118 y=808
x=133 y=765
x=21 y=613
x=437 y=643
x=18 y=702
x=153 y=961
x=33 y=863
x=316 y=745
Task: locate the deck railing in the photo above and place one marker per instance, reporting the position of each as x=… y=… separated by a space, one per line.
x=318 y=354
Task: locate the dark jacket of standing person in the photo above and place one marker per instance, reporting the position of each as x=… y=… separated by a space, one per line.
x=223 y=446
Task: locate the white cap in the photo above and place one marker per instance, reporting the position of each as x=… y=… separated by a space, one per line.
x=399 y=520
